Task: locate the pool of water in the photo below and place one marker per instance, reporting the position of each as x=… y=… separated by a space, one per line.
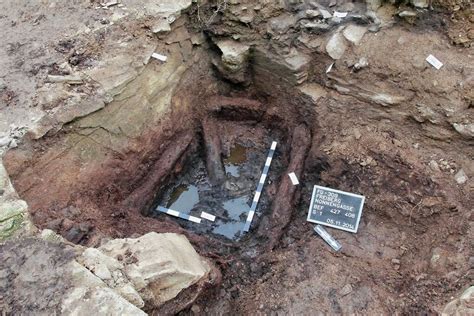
x=237 y=157
x=192 y=193
x=183 y=198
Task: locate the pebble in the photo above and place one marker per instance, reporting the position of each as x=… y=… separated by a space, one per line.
x=396 y=261
x=195 y=309
x=362 y=63
x=312 y=13
x=357 y=134
x=434 y=166
x=347 y=289
x=460 y=177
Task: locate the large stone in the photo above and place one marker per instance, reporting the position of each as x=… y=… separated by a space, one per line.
x=112 y=273
x=463 y=305
x=90 y=296
x=158 y=265
x=234 y=60
x=234 y=54
x=466 y=130
x=13 y=211
x=354 y=33
x=281 y=24
x=336 y=46
x=314 y=91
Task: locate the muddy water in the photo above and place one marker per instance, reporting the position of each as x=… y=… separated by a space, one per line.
x=192 y=193
x=237 y=156
x=183 y=198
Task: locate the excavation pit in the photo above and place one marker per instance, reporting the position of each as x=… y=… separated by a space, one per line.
x=244 y=152
x=103 y=175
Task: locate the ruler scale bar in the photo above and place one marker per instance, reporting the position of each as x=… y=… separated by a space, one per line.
x=327 y=237
x=178 y=214
x=259 y=190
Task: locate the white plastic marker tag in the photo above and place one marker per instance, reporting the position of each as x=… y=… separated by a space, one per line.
x=329 y=68
x=208 y=216
x=340 y=14
x=293 y=178
x=327 y=238
x=159 y=56
x=434 y=62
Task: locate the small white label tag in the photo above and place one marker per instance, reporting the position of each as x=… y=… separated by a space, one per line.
x=434 y=62
x=293 y=178
x=159 y=56
x=208 y=216
x=340 y=14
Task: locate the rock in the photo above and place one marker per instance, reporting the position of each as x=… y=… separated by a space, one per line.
x=89 y=295
x=14 y=218
x=362 y=63
x=346 y=290
x=292 y=69
x=467 y=298
x=438 y=260
x=325 y=13
x=434 y=166
x=233 y=64
x=336 y=46
x=386 y=99
x=161 y=26
x=311 y=41
x=313 y=90
x=318 y=26
x=464 y=305
x=460 y=177
x=357 y=134
x=298 y=64
x=420 y=3
x=312 y=13
x=354 y=33
x=51 y=236
x=178 y=35
x=158 y=265
x=281 y=24
x=198 y=38
x=234 y=54
x=466 y=130
x=373 y=4
x=407 y=14
x=4 y=141
x=69 y=79
x=396 y=261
